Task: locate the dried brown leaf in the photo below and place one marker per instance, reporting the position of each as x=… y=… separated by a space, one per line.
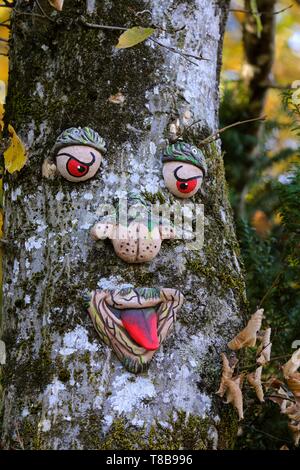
x=293 y=382
x=234 y=394
x=295 y=428
x=281 y=397
x=254 y=379
x=273 y=382
x=291 y=366
x=227 y=373
x=118 y=98
x=57 y=4
x=293 y=412
x=247 y=337
x=265 y=348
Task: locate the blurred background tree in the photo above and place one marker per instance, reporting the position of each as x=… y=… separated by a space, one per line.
x=261 y=67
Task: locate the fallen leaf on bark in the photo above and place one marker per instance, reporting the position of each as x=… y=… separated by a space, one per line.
x=227 y=373
x=254 y=379
x=265 y=348
x=57 y=4
x=247 y=337
x=291 y=366
x=234 y=394
x=15 y=155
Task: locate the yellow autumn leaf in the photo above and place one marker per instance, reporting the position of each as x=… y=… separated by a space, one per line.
x=57 y=4
x=15 y=156
x=134 y=36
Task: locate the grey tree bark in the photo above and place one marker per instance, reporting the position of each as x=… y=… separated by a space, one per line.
x=62 y=388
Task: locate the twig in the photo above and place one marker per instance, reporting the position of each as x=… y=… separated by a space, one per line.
x=260 y=353
x=271 y=360
x=35 y=15
x=173 y=49
x=214 y=136
x=184 y=54
x=101 y=26
x=281 y=396
x=259 y=13
x=267 y=434
x=43 y=12
x=270 y=289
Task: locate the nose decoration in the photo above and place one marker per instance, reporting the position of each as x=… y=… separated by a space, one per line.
x=134 y=322
x=140 y=240
x=184 y=168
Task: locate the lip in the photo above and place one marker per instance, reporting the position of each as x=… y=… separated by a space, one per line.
x=134 y=321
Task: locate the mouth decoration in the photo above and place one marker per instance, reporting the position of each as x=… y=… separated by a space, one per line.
x=134 y=322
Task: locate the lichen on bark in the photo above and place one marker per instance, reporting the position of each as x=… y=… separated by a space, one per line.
x=62 y=387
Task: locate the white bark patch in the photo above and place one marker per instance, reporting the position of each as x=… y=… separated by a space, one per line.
x=113 y=282
x=52 y=394
x=34 y=243
x=90 y=6
x=2 y=353
x=128 y=393
x=77 y=340
x=16 y=193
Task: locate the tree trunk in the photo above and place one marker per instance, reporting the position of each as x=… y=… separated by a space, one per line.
x=62 y=388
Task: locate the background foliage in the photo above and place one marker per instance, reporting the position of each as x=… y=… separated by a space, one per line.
x=264 y=188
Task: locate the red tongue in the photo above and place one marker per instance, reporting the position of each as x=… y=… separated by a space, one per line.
x=141 y=324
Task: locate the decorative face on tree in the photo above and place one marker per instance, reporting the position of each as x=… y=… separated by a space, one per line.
x=78 y=153
x=184 y=168
x=134 y=322
x=140 y=240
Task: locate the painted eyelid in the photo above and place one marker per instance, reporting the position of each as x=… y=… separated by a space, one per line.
x=75 y=158
x=183 y=180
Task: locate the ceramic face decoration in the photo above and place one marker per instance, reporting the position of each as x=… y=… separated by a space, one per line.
x=184 y=168
x=141 y=239
x=134 y=322
x=78 y=153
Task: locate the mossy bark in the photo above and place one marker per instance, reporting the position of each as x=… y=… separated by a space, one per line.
x=61 y=387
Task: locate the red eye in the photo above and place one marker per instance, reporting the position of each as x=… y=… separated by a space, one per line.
x=186 y=187
x=76 y=168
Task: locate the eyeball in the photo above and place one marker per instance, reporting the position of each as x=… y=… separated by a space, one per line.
x=182 y=179
x=78 y=162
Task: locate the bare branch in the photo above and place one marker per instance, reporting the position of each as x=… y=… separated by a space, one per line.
x=101 y=26
x=215 y=135
x=43 y=12
x=185 y=55
x=259 y=13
